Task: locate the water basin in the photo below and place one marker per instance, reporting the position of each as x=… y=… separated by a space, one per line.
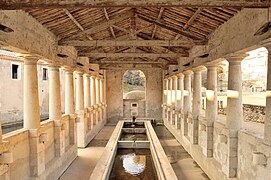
x=133 y=164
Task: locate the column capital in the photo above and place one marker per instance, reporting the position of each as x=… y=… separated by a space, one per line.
x=212 y=67
x=199 y=69
x=174 y=77
x=188 y=73
x=31 y=60
x=87 y=74
x=53 y=67
x=180 y=75
x=267 y=44
x=236 y=58
x=80 y=73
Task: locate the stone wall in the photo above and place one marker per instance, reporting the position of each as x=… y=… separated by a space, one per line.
x=49 y=164
x=114 y=92
x=252 y=113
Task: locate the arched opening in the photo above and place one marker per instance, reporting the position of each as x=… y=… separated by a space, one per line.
x=134 y=85
x=134 y=93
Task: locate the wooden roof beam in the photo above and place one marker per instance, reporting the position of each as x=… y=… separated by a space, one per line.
x=192 y=18
x=143 y=43
x=133 y=55
x=110 y=27
x=76 y=22
x=158 y=18
x=103 y=25
x=24 y=4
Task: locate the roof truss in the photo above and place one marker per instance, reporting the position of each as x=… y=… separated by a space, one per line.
x=21 y=4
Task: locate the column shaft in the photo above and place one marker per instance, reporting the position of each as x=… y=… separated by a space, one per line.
x=87 y=91
x=196 y=110
x=69 y=92
x=180 y=97
x=31 y=95
x=187 y=100
x=211 y=108
x=234 y=112
x=79 y=92
x=54 y=95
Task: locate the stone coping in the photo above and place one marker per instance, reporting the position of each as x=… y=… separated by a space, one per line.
x=163 y=168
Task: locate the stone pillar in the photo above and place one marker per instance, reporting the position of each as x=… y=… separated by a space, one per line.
x=32 y=117
x=101 y=98
x=54 y=94
x=187 y=100
x=87 y=100
x=69 y=92
x=31 y=95
x=69 y=104
x=211 y=108
x=55 y=109
x=166 y=100
x=174 y=103
x=93 y=100
x=86 y=90
x=82 y=123
x=79 y=105
x=170 y=88
x=234 y=112
x=179 y=108
x=196 y=110
x=267 y=121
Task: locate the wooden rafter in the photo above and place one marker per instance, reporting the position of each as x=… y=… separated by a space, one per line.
x=22 y=4
x=76 y=22
x=158 y=18
x=110 y=27
x=171 y=28
x=192 y=18
x=101 y=26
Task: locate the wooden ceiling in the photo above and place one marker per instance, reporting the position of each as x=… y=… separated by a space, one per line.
x=112 y=36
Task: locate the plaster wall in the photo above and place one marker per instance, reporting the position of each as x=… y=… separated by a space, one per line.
x=12 y=91
x=114 y=93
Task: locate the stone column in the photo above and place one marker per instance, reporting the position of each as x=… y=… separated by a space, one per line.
x=87 y=100
x=234 y=112
x=86 y=90
x=166 y=101
x=179 y=108
x=170 y=88
x=174 y=103
x=69 y=92
x=101 y=99
x=55 y=109
x=196 y=110
x=79 y=105
x=32 y=117
x=187 y=100
x=54 y=94
x=267 y=121
x=98 y=101
x=93 y=100
x=31 y=95
x=211 y=108
x=69 y=104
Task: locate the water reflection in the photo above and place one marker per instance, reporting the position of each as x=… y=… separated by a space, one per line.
x=133 y=164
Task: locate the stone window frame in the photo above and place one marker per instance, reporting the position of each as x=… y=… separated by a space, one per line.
x=19 y=71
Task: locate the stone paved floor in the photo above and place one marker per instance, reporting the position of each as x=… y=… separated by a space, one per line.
x=88 y=157
x=184 y=166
